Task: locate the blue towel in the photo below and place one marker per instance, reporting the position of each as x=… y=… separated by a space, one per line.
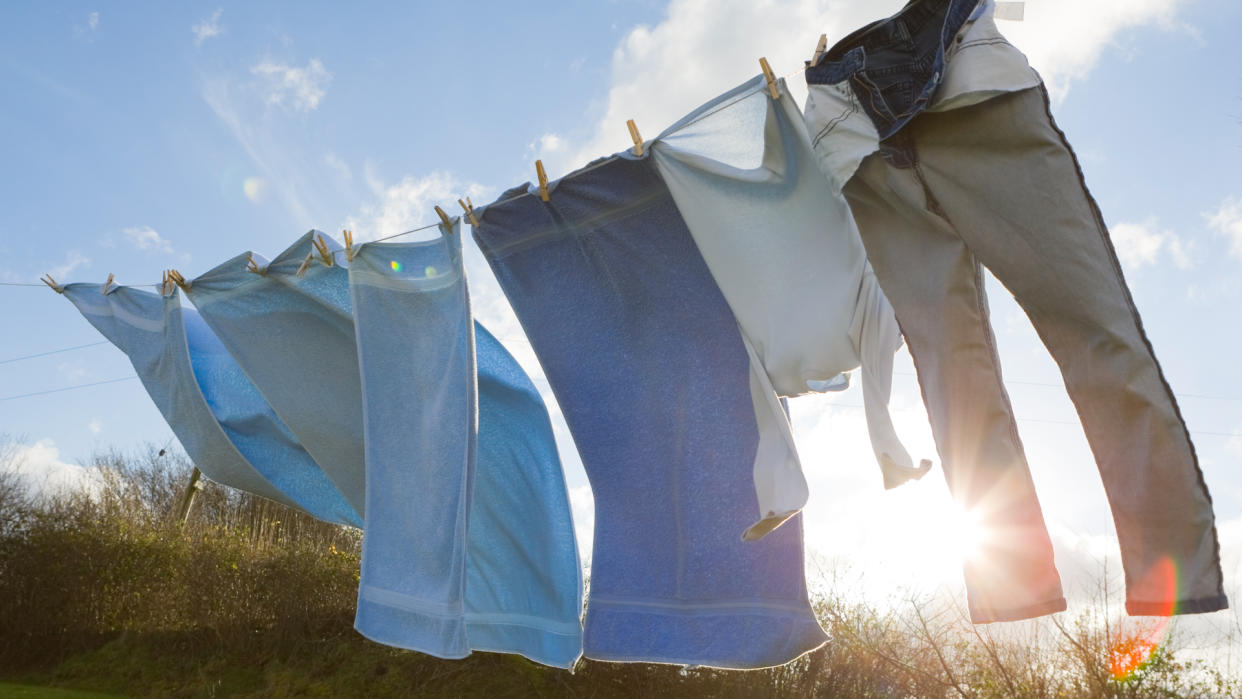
x=652 y=373
x=469 y=543
x=219 y=417
x=294 y=338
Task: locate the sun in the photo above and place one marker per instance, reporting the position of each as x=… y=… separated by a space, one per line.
x=967 y=532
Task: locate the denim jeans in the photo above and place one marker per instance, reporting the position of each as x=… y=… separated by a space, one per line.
x=995 y=183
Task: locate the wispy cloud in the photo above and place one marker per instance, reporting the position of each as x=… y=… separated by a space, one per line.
x=73 y=260
x=1145 y=244
x=146 y=238
x=95 y=426
x=208 y=28
x=341 y=167
x=277 y=169
x=293 y=88
x=92 y=21
x=1226 y=220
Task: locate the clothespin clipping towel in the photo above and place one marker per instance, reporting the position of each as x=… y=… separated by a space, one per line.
x=175 y=277
x=637 y=137
x=468 y=207
x=444 y=218
x=52 y=283
x=324 y=253
x=106 y=284
x=348 y=235
x=310 y=257
x=543 y=180
x=820 y=49
x=252 y=266
x=771 y=78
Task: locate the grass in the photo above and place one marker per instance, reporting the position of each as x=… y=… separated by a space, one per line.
x=102 y=590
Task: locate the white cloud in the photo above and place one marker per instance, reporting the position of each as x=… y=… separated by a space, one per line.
x=146 y=238
x=703 y=47
x=208 y=28
x=40 y=466
x=1064 y=38
x=73 y=260
x=95 y=426
x=408 y=204
x=289 y=87
x=1144 y=244
x=92 y=21
x=1227 y=221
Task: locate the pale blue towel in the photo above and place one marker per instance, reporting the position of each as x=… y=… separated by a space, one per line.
x=219 y=417
x=469 y=542
x=294 y=337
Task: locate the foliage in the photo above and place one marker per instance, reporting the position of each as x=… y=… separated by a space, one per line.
x=101 y=588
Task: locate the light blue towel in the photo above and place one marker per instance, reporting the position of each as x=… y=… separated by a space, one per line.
x=469 y=543
x=294 y=338
x=653 y=375
x=219 y=417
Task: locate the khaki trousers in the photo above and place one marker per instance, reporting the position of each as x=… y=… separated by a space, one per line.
x=996 y=184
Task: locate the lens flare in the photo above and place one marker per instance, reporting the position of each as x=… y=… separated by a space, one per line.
x=255 y=189
x=430 y=271
x=1135 y=643
x=396 y=266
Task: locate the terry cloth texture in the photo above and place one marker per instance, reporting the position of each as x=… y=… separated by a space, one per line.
x=989 y=179
x=219 y=417
x=651 y=371
x=294 y=337
x=783 y=247
x=469 y=542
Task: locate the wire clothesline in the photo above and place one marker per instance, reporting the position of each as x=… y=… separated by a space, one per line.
x=835 y=405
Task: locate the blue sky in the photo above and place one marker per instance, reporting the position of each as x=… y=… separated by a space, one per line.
x=144 y=136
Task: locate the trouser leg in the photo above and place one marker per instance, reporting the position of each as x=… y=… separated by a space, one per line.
x=1007 y=179
x=936 y=288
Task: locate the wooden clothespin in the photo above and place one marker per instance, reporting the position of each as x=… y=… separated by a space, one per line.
x=543 y=180
x=820 y=49
x=252 y=266
x=175 y=277
x=468 y=207
x=348 y=235
x=104 y=288
x=324 y=253
x=310 y=257
x=52 y=283
x=637 y=137
x=444 y=218
x=771 y=78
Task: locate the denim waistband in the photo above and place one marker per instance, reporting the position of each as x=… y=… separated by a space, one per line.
x=894 y=65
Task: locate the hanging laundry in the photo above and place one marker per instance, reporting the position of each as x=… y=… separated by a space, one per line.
x=783 y=248
x=654 y=379
x=469 y=542
x=294 y=337
x=941 y=137
x=219 y=417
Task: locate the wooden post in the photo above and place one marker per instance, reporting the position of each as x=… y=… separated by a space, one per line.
x=187 y=500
